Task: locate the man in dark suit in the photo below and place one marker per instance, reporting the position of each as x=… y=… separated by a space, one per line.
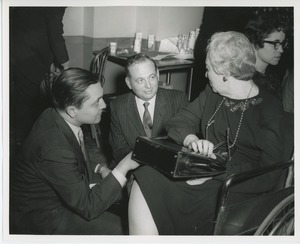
x=36 y=43
x=128 y=111
x=53 y=193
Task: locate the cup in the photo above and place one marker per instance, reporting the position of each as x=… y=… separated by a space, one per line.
x=113 y=48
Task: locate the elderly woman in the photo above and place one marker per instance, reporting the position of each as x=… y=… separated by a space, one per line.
x=232 y=106
x=267 y=33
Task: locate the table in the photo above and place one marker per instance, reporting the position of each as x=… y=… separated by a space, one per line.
x=166 y=65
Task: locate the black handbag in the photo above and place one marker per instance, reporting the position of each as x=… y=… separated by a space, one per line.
x=174 y=160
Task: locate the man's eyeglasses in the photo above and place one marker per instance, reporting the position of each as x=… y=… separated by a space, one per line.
x=277 y=44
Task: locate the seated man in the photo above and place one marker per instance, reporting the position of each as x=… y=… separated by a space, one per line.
x=130 y=117
x=52 y=192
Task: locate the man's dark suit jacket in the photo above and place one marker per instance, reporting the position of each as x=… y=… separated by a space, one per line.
x=36 y=41
x=126 y=124
x=52 y=176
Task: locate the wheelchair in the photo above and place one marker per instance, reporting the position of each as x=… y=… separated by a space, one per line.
x=266 y=213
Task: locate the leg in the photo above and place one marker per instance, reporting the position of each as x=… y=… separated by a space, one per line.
x=140 y=219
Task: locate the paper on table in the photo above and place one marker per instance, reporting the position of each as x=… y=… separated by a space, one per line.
x=162 y=56
x=169 y=45
x=184 y=56
x=173 y=55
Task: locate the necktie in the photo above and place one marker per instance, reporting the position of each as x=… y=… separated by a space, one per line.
x=147 y=122
x=81 y=143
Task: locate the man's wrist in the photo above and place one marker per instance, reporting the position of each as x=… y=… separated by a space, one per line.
x=122 y=168
x=119 y=176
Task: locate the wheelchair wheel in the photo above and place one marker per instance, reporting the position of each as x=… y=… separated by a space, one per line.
x=280 y=221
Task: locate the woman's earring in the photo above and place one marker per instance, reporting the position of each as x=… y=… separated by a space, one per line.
x=224 y=78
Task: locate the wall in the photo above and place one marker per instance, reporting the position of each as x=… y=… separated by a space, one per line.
x=73 y=21
x=148 y=19
x=114 y=21
x=176 y=20
x=166 y=22
x=78 y=32
x=91 y=28
x=125 y=21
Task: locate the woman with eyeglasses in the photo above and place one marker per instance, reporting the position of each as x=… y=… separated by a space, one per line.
x=267 y=32
x=232 y=108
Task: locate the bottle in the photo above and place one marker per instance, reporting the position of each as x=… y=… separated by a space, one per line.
x=192 y=40
x=138 y=42
x=137 y=45
x=151 y=43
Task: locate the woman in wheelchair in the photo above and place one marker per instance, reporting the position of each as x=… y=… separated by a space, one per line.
x=232 y=108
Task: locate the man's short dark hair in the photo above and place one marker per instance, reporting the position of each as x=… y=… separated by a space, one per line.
x=136 y=59
x=68 y=89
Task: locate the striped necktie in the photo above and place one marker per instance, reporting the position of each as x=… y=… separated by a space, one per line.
x=81 y=143
x=147 y=122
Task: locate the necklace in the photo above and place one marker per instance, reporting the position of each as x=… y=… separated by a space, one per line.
x=211 y=120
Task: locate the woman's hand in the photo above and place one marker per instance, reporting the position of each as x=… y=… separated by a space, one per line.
x=202 y=147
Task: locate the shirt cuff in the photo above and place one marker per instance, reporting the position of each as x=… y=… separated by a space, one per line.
x=119 y=176
x=92 y=185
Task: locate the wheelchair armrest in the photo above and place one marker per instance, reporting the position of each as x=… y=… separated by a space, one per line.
x=241 y=177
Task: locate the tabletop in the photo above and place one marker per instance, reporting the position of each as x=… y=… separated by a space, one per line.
x=168 y=60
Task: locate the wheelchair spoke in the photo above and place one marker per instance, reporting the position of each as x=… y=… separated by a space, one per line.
x=280 y=221
x=282 y=224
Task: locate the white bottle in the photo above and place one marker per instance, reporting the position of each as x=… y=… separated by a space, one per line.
x=192 y=40
x=137 y=45
x=138 y=42
x=151 y=42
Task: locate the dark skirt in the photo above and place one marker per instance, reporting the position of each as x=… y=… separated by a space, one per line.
x=177 y=207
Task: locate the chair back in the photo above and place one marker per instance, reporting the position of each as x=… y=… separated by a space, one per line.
x=98 y=64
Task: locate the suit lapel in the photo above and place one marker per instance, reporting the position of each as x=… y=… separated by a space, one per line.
x=134 y=116
x=159 y=112
x=69 y=134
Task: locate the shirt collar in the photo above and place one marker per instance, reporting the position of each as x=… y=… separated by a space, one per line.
x=141 y=102
x=75 y=129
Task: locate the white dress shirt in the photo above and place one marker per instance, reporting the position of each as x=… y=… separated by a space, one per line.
x=141 y=108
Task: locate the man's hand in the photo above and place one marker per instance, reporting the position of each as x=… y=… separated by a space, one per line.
x=66 y=65
x=102 y=170
x=126 y=164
